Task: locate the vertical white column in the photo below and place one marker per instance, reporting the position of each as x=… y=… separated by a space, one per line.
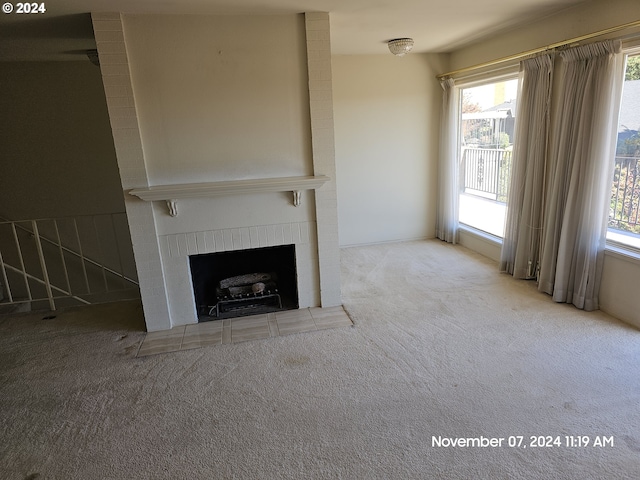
x=323 y=147
x=118 y=88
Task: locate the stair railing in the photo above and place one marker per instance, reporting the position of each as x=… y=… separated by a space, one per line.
x=43 y=276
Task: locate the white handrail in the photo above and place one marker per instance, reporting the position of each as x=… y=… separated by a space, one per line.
x=36 y=279
x=68 y=250
x=21 y=247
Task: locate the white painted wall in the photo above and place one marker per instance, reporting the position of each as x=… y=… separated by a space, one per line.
x=222 y=98
x=57 y=151
x=480 y=243
x=386 y=128
x=584 y=18
x=619 y=288
x=618 y=295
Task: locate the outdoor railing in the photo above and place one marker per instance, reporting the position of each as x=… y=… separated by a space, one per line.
x=486 y=172
x=47 y=263
x=624 y=211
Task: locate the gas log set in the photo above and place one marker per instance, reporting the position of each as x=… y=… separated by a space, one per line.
x=247 y=294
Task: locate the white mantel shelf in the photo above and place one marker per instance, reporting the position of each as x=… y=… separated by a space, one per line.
x=172 y=193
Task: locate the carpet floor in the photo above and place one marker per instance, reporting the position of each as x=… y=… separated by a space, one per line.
x=446 y=355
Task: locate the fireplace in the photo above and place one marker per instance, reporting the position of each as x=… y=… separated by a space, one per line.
x=244 y=282
x=240 y=203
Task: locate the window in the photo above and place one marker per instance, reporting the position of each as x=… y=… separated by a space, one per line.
x=624 y=212
x=487 y=117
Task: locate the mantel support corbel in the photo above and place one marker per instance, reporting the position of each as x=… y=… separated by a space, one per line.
x=297 y=198
x=172 y=205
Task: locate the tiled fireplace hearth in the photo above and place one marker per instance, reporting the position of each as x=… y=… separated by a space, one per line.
x=244 y=329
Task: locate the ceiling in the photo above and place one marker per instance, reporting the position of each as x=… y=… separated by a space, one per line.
x=64 y=32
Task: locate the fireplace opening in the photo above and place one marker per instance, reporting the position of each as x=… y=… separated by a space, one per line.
x=244 y=282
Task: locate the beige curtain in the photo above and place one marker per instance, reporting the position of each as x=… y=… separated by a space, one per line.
x=447 y=211
x=521 y=243
x=581 y=163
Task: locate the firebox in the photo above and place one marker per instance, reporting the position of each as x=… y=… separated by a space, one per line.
x=244 y=282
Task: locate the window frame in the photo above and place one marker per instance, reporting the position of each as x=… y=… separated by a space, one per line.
x=508 y=74
x=614 y=238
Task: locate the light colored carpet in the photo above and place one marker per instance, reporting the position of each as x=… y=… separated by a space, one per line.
x=443 y=345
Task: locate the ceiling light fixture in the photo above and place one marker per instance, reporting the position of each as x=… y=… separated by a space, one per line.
x=400 y=46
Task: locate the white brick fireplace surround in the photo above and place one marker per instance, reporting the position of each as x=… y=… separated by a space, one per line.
x=164 y=238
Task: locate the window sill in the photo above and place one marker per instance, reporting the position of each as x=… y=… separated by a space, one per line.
x=625 y=247
x=623 y=252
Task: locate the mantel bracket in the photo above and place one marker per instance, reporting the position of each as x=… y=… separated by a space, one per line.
x=172 y=205
x=297 y=198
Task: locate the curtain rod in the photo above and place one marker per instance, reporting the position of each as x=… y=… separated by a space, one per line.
x=518 y=56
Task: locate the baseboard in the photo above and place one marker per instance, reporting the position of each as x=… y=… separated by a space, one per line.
x=387 y=242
